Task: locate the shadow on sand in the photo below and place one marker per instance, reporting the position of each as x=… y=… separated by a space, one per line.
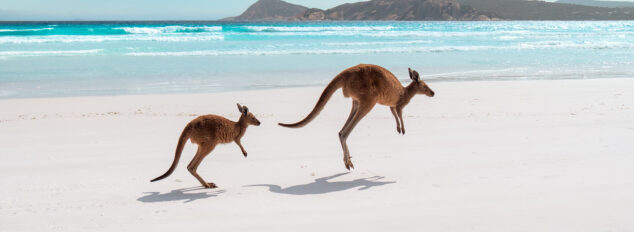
x=322 y=185
x=179 y=195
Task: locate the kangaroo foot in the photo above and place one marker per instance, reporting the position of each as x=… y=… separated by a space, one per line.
x=348 y=163
x=210 y=185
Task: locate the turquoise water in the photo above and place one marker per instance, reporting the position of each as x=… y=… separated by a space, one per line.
x=78 y=59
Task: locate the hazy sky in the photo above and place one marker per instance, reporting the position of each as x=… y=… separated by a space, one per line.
x=136 y=9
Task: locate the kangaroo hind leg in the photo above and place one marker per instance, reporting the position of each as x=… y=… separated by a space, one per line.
x=344 y=146
x=355 y=107
x=362 y=108
x=203 y=150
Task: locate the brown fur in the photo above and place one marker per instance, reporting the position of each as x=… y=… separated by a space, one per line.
x=368 y=85
x=208 y=131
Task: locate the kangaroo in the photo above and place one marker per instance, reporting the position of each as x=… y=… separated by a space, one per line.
x=208 y=131
x=367 y=85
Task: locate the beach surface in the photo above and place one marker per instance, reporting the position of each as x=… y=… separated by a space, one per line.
x=548 y=155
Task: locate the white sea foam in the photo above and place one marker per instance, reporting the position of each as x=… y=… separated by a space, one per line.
x=576 y=45
x=415 y=33
x=97 y=39
x=378 y=43
x=316 y=29
x=33 y=29
x=311 y=52
x=387 y=33
x=392 y=49
x=509 y=37
x=169 y=29
x=49 y=53
x=140 y=30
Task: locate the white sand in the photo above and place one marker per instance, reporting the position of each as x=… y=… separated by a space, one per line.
x=480 y=156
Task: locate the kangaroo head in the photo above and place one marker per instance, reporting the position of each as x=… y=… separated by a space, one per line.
x=248 y=116
x=419 y=85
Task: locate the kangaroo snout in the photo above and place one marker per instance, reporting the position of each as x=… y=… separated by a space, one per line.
x=431 y=93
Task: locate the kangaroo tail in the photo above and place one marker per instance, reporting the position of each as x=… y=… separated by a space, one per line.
x=177 y=156
x=335 y=84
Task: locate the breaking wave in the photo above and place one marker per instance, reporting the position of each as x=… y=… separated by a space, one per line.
x=169 y=29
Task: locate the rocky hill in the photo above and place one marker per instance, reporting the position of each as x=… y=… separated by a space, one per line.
x=269 y=10
x=540 y=10
x=277 y=10
x=398 y=10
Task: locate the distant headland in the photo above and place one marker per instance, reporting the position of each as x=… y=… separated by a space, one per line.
x=440 y=10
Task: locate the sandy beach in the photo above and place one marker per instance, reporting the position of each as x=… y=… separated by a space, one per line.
x=549 y=155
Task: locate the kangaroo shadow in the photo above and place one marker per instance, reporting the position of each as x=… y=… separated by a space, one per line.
x=179 y=195
x=323 y=185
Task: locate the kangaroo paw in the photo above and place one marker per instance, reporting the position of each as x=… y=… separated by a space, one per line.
x=210 y=185
x=398 y=129
x=348 y=163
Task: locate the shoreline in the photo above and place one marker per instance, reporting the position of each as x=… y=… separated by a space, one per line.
x=142 y=104
x=436 y=79
x=150 y=98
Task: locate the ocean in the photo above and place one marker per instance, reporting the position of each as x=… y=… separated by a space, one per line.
x=58 y=59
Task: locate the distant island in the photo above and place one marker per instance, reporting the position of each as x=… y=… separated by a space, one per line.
x=440 y=10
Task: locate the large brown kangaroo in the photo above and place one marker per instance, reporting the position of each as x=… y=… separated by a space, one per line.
x=367 y=85
x=208 y=131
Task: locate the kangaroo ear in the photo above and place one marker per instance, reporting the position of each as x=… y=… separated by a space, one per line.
x=413 y=74
x=245 y=110
x=240 y=108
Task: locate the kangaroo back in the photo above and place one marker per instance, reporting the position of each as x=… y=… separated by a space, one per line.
x=179 y=149
x=335 y=84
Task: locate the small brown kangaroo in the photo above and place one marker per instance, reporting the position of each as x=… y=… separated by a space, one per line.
x=208 y=131
x=367 y=84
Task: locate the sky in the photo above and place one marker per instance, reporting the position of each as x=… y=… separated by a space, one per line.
x=135 y=9
x=18 y=10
